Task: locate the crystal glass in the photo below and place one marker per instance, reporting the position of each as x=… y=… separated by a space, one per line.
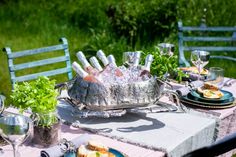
x=166 y=49
x=216 y=76
x=200 y=59
x=15 y=129
x=129 y=58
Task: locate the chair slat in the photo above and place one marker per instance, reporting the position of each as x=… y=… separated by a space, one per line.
x=210 y=29
x=39 y=63
x=210 y=48
x=224 y=57
x=213 y=39
x=36 y=51
x=36 y=75
x=185 y=39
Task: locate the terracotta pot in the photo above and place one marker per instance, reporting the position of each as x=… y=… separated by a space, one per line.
x=46 y=136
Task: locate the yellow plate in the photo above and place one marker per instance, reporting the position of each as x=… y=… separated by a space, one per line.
x=194 y=70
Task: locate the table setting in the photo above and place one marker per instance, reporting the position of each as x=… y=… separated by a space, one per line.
x=124 y=106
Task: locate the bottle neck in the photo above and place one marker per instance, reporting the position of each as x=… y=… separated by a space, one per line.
x=95 y=63
x=111 y=60
x=137 y=56
x=148 y=62
x=101 y=55
x=82 y=59
x=77 y=68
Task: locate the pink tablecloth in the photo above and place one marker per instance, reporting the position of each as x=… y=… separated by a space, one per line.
x=69 y=133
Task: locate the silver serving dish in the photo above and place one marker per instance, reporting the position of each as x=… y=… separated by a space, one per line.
x=97 y=97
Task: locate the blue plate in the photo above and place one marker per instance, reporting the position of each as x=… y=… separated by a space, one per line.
x=189 y=98
x=209 y=105
x=227 y=96
x=117 y=153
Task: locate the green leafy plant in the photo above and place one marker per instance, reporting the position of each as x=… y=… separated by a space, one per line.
x=143 y=21
x=163 y=64
x=40 y=96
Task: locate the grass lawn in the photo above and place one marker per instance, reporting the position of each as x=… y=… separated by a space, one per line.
x=29 y=25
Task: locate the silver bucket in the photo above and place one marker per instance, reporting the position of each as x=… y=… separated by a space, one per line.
x=98 y=97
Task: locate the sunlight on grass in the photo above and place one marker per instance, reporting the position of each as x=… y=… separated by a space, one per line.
x=28 y=25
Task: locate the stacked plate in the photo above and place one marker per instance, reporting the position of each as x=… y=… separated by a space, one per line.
x=196 y=99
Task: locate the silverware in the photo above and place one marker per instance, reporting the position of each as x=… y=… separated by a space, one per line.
x=229 y=82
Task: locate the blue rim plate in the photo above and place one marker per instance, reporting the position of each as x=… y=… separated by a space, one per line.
x=189 y=101
x=117 y=153
x=194 y=100
x=227 y=96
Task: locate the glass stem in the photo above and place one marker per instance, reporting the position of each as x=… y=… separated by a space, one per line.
x=199 y=72
x=15 y=150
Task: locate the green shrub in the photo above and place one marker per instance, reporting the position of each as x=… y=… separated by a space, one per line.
x=108 y=43
x=143 y=20
x=215 y=12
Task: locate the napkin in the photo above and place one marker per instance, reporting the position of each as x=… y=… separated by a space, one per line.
x=57 y=150
x=194 y=77
x=183 y=91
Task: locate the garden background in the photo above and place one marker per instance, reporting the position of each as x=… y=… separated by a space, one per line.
x=115 y=26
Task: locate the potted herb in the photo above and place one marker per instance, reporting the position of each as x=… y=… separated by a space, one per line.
x=164 y=64
x=40 y=96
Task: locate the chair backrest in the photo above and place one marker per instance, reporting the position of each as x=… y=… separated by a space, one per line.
x=50 y=59
x=206 y=38
x=220 y=147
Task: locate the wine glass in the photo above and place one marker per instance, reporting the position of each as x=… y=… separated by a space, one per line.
x=15 y=129
x=200 y=59
x=166 y=49
x=131 y=58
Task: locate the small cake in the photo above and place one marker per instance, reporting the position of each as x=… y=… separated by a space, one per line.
x=94 y=149
x=97 y=146
x=210 y=86
x=210 y=91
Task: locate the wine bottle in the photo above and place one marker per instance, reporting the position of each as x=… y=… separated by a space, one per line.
x=93 y=60
x=110 y=67
x=101 y=55
x=147 y=66
x=87 y=67
x=137 y=56
x=112 y=61
x=79 y=70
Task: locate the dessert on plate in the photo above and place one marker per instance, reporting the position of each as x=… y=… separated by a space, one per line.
x=94 y=149
x=211 y=91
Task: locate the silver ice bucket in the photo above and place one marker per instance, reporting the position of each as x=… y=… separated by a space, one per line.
x=96 y=96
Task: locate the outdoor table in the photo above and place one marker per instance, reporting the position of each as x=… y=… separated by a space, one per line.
x=155 y=134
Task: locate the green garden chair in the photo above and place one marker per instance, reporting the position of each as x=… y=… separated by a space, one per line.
x=36 y=60
x=206 y=38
